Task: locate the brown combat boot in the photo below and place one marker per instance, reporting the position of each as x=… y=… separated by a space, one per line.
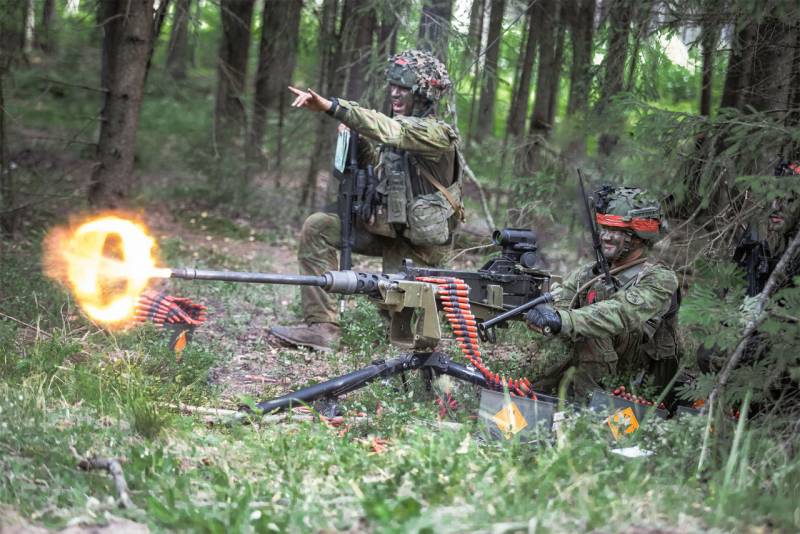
x=318 y=336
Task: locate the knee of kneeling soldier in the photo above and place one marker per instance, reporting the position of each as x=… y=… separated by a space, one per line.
x=316 y=225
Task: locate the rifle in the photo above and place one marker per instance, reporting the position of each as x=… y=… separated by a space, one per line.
x=354 y=184
x=750 y=254
x=413 y=299
x=596 y=245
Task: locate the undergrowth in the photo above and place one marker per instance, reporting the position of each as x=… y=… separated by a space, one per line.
x=71 y=386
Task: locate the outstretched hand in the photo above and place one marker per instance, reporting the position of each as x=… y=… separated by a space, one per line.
x=309 y=100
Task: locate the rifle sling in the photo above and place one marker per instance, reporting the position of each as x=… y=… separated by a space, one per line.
x=457 y=208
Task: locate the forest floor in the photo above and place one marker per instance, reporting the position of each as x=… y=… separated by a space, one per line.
x=68 y=387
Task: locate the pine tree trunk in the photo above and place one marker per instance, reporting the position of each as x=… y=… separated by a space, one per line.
x=230 y=117
x=793 y=117
x=127 y=42
x=276 y=60
x=359 y=31
x=12 y=32
x=43 y=38
x=158 y=25
x=474 y=41
x=326 y=44
x=768 y=86
x=515 y=125
x=485 y=125
x=708 y=44
x=738 y=70
x=614 y=66
x=7 y=192
x=387 y=41
x=546 y=13
x=178 y=49
x=640 y=15
x=434 y=27
x=558 y=60
x=29 y=23
x=580 y=78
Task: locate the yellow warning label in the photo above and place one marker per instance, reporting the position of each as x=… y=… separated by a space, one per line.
x=509 y=420
x=622 y=422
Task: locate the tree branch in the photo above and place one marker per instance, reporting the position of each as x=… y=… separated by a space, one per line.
x=773 y=284
x=114 y=468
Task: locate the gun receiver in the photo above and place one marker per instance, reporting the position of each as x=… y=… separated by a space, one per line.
x=500 y=291
x=505 y=282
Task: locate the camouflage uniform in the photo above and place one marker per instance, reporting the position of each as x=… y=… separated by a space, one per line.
x=609 y=332
x=430 y=148
x=628 y=329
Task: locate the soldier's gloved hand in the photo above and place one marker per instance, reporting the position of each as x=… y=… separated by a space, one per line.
x=544 y=319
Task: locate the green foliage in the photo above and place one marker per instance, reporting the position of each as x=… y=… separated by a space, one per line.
x=364 y=330
x=65 y=383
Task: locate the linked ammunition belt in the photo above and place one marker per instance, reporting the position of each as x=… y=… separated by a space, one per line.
x=454 y=294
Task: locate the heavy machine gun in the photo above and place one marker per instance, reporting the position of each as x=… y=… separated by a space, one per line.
x=414 y=299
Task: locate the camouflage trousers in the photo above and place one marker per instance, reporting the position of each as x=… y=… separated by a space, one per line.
x=598 y=359
x=320 y=240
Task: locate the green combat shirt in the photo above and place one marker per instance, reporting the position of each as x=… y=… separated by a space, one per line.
x=646 y=295
x=431 y=143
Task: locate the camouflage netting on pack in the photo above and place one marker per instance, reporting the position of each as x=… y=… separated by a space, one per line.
x=421 y=72
x=630 y=208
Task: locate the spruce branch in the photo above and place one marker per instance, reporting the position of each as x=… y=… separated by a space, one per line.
x=757 y=318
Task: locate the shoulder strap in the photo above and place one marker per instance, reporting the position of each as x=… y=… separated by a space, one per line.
x=457 y=207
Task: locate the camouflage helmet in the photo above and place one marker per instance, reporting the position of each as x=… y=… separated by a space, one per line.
x=419 y=71
x=630 y=209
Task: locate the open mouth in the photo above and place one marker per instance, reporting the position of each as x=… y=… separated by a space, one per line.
x=776 y=219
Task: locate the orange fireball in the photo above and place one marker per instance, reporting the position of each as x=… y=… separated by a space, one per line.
x=107 y=263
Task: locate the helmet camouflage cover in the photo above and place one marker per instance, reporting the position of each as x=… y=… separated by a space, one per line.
x=629 y=208
x=419 y=71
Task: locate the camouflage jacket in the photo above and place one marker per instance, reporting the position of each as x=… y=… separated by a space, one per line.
x=430 y=143
x=644 y=300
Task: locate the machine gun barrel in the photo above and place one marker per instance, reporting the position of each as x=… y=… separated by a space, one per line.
x=341 y=282
x=249 y=278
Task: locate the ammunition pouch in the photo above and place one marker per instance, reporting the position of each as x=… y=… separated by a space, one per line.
x=430 y=217
x=379 y=223
x=425 y=220
x=398 y=192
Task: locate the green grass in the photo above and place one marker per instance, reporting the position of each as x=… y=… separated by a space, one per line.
x=106 y=394
x=65 y=383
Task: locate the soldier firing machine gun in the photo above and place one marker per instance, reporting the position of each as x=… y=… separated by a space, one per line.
x=473 y=302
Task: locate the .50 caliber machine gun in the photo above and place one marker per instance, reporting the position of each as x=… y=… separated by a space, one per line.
x=473 y=302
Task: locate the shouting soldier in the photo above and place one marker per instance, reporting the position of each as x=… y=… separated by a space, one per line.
x=417 y=201
x=624 y=326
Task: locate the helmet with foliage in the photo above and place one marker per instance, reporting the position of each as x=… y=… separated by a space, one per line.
x=630 y=209
x=419 y=71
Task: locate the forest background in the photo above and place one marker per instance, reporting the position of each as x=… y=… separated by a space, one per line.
x=177 y=113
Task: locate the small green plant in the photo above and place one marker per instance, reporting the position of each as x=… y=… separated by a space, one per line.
x=364 y=330
x=146 y=417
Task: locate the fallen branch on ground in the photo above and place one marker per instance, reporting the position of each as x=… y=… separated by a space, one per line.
x=114 y=468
